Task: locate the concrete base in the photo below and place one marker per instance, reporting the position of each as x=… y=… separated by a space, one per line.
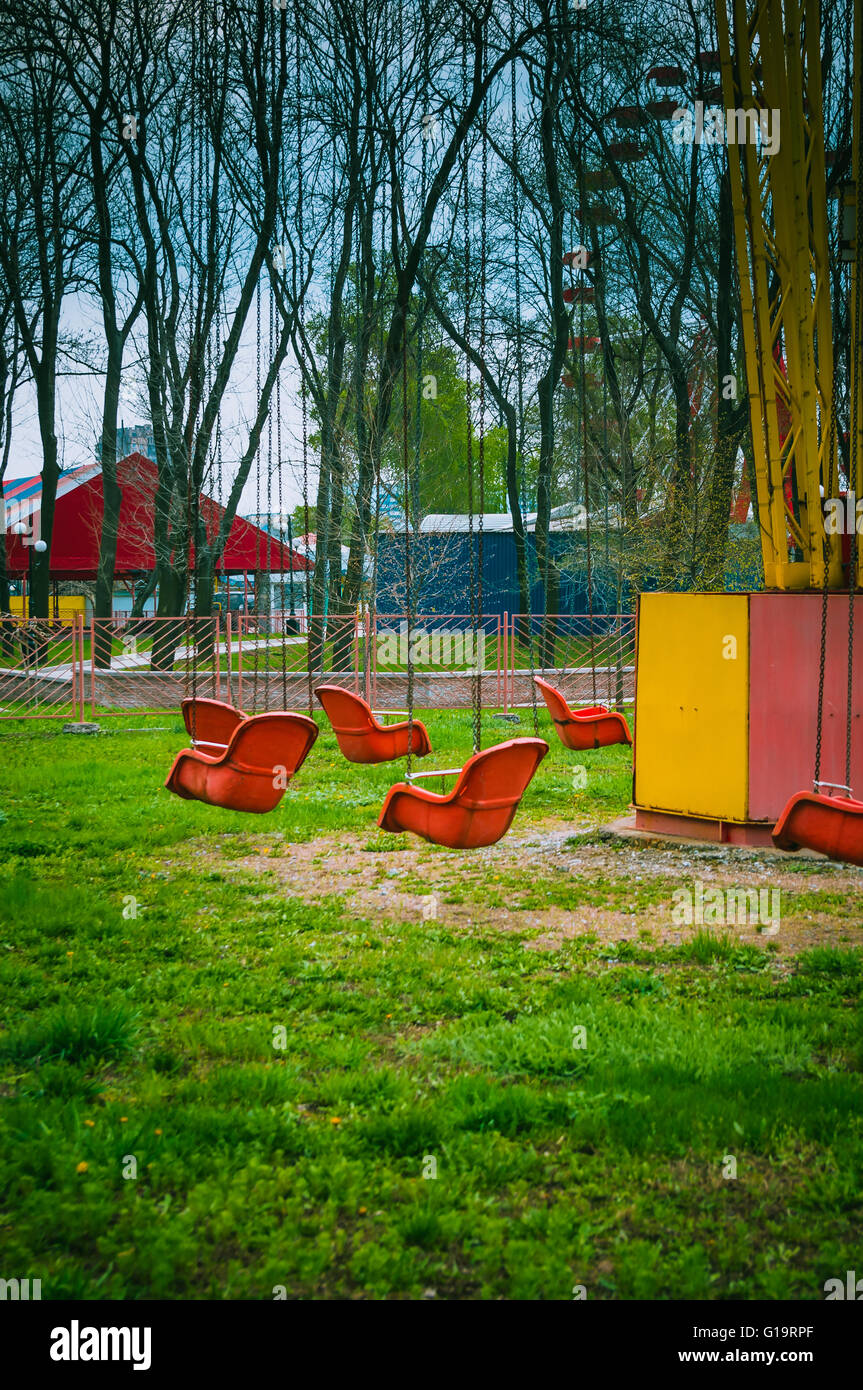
x=81 y=729
x=628 y=828
x=755 y=834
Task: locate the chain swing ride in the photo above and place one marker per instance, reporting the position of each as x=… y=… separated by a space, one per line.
x=740 y=786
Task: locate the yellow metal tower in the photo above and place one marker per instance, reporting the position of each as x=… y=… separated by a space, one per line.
x=771 y=63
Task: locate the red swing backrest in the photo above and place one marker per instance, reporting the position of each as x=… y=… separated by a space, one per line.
x=498 y=776
x=267 y=741
x=348 y=713
x=210 y=721
x=557 y=706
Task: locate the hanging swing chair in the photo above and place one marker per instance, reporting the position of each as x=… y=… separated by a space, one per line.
x=596 y=726
x=239 y=762
x=210 y=723
x=832 y=825
x=361 y=738
x=480 y=808
x=251 y=774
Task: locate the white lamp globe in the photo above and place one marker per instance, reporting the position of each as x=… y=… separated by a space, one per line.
x=40 y=547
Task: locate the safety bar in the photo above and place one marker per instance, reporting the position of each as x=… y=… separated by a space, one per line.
x=836 y=786
x=441 y=772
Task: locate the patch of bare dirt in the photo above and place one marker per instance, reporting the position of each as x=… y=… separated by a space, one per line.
x=417 y=881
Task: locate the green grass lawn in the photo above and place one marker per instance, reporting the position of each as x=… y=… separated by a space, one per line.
x=217 y=1086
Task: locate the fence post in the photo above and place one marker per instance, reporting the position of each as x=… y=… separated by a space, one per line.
x=367 y=656
x=240 y=662
x=229 y=659
x=505 y=654
x=74 y=664
x=218 y=662
x=92 y=666
x=373 y=660
x=81 y=694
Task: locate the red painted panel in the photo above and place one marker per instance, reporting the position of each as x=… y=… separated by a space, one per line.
x=785 y=637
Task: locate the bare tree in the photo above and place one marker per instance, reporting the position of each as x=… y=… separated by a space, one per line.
x=41 y=215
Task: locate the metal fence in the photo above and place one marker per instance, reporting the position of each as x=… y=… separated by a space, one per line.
x=78 y=670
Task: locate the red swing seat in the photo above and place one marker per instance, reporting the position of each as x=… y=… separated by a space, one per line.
x=210 y=723
x=595 y=727
x=832 y=825
x=263 y=752
x=480 y=808
x=359 y=735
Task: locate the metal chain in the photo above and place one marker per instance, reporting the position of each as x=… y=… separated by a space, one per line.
x=421 y=306
x=408 y=585
x=519 y=370
x=256 y=649
x=821 y=669
x=822 y=659
x=419 y=374
x=582 y=199
x=854 y=462
x=282 y=540
x=303 y=388
x=191 y=624
x=483 y=270
x=475 y=717
x=269 y=544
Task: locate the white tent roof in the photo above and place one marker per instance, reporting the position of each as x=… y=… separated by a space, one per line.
x=562 y=519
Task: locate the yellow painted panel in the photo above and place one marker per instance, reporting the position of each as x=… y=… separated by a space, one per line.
x=691 y=712
x=68 y=605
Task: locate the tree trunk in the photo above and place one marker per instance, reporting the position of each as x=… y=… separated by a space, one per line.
x=730 y=417
x=39 y=585
x=204 y=626
x=317 y=619
x=514 y=500
x=678 y=511
x=168 y=636
x=334 y=569
x=112 y=499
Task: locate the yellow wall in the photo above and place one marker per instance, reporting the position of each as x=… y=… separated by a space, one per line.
x=692 y=715
x=69 y=604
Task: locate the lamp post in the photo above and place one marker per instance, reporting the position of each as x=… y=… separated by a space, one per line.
x=39 y=547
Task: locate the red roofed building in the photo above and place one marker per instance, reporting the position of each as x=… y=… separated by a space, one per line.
x=78 y=525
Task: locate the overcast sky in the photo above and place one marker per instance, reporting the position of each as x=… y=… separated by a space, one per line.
x=79 y=404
